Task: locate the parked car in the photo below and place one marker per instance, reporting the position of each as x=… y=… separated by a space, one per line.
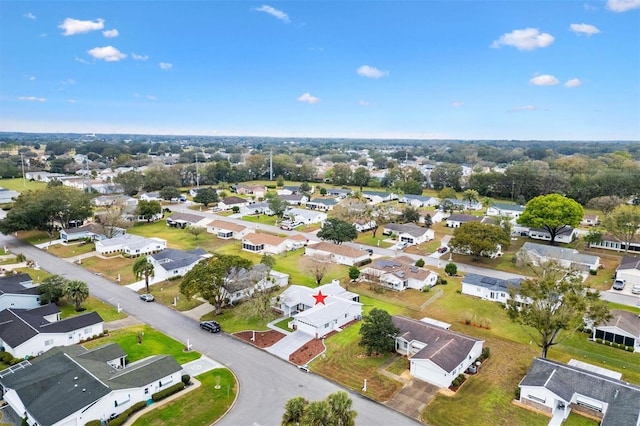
x=210 y=326
x=147 y=297
x=635 y=289
x=618 y=284
x=370 y=251
x=443 y=249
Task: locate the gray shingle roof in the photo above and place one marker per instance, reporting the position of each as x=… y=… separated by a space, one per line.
x=456 y=217
x=408 y=228
x=565 y=381
x=187 y=217
x=625 y=321
x=445 y=348
x=13 y=284
x=554 y=252
x=629 y=262
x=174 y=259
x=495 y=284
x=511 y=207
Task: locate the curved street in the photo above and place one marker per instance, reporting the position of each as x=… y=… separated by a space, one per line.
x=265 y=382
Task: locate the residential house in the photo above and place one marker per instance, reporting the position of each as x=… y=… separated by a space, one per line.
x=557 y=389
x=110 y=200
x=629 y=270
x=131 y=245
x=184 y=220
x=306 y=217
x=399 y=273
x=339 y=192
x=293 y=190
x=489 y=288
x=609 y=242
x=377 y=197
x=150 y=196
x=455 y=220
x=172 y=263
x=512 y=211
x=409 y=233
x=436 y=217
x=41 y=176
x=265 y=243
x=31 y=332
x=456 y=204
x=565 y=235
x=226 y=230
x=294 y=199
x=130 y=213
x=8 y=195
x=337 y=253
x=261 y=207
x=565 y=257
x=590 y=220
x=436 y=355
x=322 y=204
x=18 y=292
x=296 y=241
x=229 y=203
x=623 y=328
x=247 y=281
x=91 y=231
x=316 y=315
x=257 y=191
x=419 y=200
x=72 y=385
x=362 y=225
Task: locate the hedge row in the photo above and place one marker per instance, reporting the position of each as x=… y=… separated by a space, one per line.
x=122 y=417
x=167 y=392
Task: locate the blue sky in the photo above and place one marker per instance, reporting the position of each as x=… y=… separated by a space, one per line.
x=384 y=69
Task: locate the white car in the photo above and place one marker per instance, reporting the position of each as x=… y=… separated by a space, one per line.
x=635 y=289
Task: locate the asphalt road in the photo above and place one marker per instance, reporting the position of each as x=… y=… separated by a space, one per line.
x=266 y=382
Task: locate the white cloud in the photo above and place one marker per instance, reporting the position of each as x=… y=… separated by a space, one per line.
x=29 y=15
x=139 y=57
x=73 y=26
x=589 y=7
x=32 y=99
x=371 y=72
x=363 y=103
x=308 y=98
x=165 y=66
x=574 y=82
x=111 y=33
x=587 y=29
x=622 y=5
x=273 y=12
x=107 y=53
x=457 y=104
x=32 y=77
x=544 y=80
x=524 y=108
x=526 y=39
x=82 y=61
x=71 y=101
x=152 y=98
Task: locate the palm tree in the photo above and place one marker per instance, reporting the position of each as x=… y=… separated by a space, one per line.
x=142 y=268
x=77 y=291
x=294 y=410
x=470 y=196
x=487 y=202
x=340 y=407
x=316 y=414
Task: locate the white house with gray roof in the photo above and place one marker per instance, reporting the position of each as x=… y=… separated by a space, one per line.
x=322 y=204
x=436 y=355
x=629 y=270
x=247 y=281
x=512 y=211
x=377 y=197
x=73 y=385
x=30 y=332
x=172 y=263
x=419 y=200
x=565 y=257
x=489 y=288
x=306 y=217
x=409 y=233
x=565 y=235
x=623 y=328
x=557 y=389
x=131 y=245
x=18 y=292
x=399 y=273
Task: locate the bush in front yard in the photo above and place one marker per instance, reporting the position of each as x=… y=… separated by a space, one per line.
x=167 y=392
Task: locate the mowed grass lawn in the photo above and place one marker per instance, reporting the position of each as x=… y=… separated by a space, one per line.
x=202 y=406
x=106 y=311
x=178 y=238
x=240 y=318
x=166 y=292
x=112 y=267
x=367 y=239
x=20 y=185
x=70 y=250
x=153 y=343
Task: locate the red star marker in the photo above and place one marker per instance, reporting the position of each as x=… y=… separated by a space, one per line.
x=320 y=297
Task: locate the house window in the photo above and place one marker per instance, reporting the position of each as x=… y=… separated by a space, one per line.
x=146 y=391
x=48 y=342
x=87 y=330
x=536 y=398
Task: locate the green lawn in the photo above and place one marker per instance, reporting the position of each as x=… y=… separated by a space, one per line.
x=19 y=184
x=166 y=291
x=202 y=406
x=263 y=219
x=111 y=267
x=153 y=343
x=399 y=366
x=578 y=420
x=70 y=250
x=35 y=237
x=178 y=238
x=284 y=324
x=240 y=318
x=38 y=275
x=367 y=238
x=106 y=311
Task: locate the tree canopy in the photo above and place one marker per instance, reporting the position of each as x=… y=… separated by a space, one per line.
x=479 y=239
x=378 y=332
x=338 y=231
x=148 y=209
x=209 y=277
x=142 y=268
x=554 y=301
x=206 y=196
x=623 y=223
x=77 y=292
x=336 y=410
x=554 y=212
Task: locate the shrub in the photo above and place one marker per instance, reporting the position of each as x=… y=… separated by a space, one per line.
x=486 y=353
x=442 y=281
x=451 y=269
x=124 y=416
x=517 y=393
x=363 y=262
x=167 y=392
x=593 y=271
x=467 y=317
x=426 y=289
x=420 y=263
x=185 y=379
x=93 y=423
x=458 y=380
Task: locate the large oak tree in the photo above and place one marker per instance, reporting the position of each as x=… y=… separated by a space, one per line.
x=554 y=212
x=479 y=239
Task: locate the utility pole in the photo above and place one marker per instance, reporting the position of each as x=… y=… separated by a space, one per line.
x=271 y=164
x=197 y=172
x=24 y=179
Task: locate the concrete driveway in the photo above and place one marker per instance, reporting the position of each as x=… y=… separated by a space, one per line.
x=201 y=365
x=413 y=397
x=283 y=348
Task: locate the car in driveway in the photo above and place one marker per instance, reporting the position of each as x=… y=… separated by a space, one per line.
x=443 y=249
x=147 y=297
x=618 y=285
x=210 y=326
x=635 y=289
